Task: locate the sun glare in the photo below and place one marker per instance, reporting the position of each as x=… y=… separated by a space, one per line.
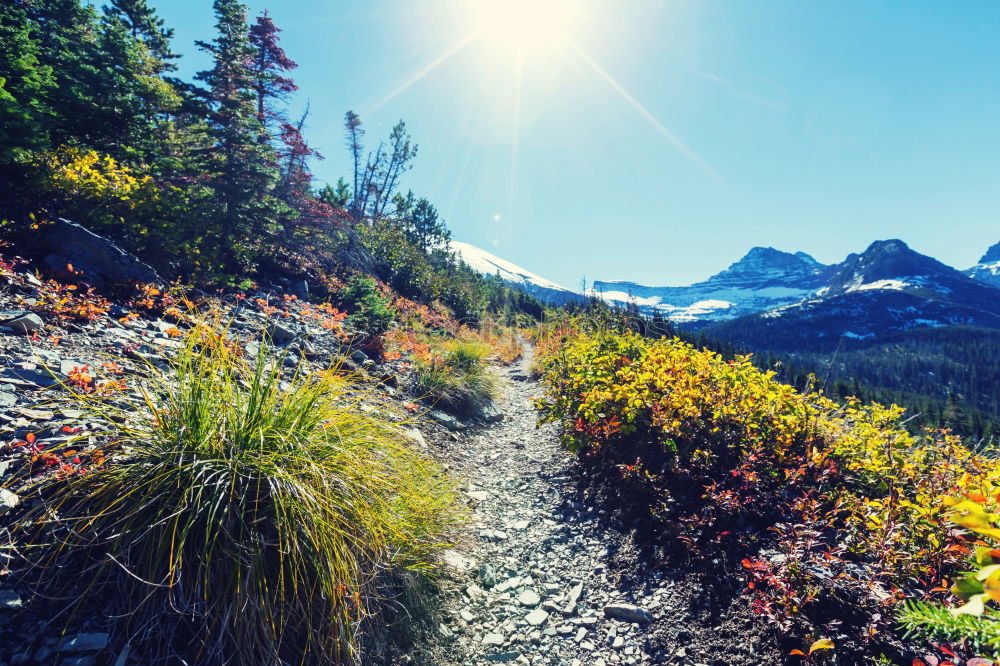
x=525 y=26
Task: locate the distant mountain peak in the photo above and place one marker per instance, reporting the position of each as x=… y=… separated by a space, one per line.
x=988 y=268
x=769 y=264
x=992 y=255
x=487 y=263
x=892 y=264
x=808 y=258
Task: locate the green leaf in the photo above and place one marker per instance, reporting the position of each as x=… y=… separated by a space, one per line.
x=967 y=587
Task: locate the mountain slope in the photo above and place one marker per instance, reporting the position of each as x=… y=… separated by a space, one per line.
x=988 y=268
x=764 y=278
x=487 y=263
x=888 y=288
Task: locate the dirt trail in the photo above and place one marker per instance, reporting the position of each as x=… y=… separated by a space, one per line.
x=546 y=577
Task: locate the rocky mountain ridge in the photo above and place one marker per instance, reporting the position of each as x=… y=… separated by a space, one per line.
x=988 y=268
x=886 y=289
x=764 y=278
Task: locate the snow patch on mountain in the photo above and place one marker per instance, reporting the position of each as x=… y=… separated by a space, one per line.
x=764 y=278
x=487 y=263
x=988 y=268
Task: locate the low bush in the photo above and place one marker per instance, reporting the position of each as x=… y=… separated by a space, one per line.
x=830 y=511
x=240 y=516
x=454 y=373
x=370 y=309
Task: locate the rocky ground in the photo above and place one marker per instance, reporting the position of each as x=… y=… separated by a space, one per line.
x=553 y=570
x=555 y=573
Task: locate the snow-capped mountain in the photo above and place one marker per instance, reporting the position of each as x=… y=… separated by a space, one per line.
x=487 y=263
x=988 y=268
x=884 y=290
x=763 y=279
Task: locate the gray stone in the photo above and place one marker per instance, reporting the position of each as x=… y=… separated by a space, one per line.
x=487 y=575
x=493 y=639
x=7 y=398
x=359 y=356
x=502 y=656
x=416 y=437
x=83 y=643
x=628 y=613
x=99 y=259
x=8 y=501
x=41 y=378
x=448 y=421
x=21 y=321
x=9 y=600
x=491 y=413
x=536 y=617
x=528 y=598
x=301 y=289
x=572 y=598
x=457 y=561
x=280 y=334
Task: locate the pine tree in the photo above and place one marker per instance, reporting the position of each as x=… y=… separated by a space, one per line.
x=267 y=71
x=245 y=169
x=25 y=85
x=355 y=133
x=141 y=21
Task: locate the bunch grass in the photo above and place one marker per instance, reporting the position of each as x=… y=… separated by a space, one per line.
x=456 y=375
x=248 y=517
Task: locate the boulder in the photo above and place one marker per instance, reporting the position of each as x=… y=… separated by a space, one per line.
x=280 y=333
x=21 y=321
x=100 y=260
x=301 y=290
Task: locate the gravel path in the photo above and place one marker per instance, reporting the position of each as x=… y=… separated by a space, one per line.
x=532 y=585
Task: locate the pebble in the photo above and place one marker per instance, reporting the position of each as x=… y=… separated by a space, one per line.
x=83 y=643
x=628 y=613
x=8 y=501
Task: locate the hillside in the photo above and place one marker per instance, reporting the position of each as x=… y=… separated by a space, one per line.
x=488 y=264
x=255 y=416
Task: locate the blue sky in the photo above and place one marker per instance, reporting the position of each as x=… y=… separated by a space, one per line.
x=664 y=138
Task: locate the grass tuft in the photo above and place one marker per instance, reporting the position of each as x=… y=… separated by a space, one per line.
x=457 y=377
x=246 y=519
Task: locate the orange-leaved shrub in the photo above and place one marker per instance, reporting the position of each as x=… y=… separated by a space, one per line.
x=830 y=511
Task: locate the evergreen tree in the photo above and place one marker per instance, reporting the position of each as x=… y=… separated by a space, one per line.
x=267 y=71
x=245 y=169
x=25 y=86
x=355 y=133
x=141 y=21
x=338 y=197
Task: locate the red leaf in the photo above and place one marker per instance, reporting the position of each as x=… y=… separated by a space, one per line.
x=798 y=652
x=30 y=438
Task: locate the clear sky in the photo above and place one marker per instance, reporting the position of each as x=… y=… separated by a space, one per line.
x=658 y=140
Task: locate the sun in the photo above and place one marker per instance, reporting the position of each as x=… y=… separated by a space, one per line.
x=525 y=26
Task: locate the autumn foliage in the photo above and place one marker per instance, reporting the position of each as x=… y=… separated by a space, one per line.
x=829 y=513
